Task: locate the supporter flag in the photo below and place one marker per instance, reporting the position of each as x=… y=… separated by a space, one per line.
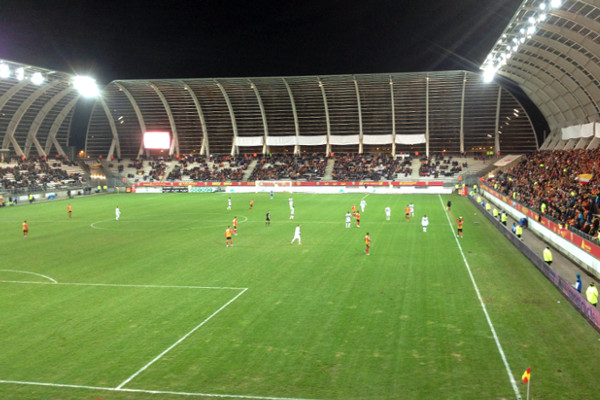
x=584 y=179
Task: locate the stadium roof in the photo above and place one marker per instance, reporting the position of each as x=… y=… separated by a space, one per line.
x=36 y=108
x=551 y=49
x=451 y=111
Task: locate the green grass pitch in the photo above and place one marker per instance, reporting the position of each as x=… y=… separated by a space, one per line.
x=155 y=306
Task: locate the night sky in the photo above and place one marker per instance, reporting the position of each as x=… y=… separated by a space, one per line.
x=207 y=39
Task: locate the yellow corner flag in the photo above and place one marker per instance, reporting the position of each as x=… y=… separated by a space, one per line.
x=526 y=375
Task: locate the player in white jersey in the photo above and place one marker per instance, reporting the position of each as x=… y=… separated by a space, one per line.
x=292 y=213
x=229 y=203
x=363 y=204
x=412 y=209
x=117 y=213
x=291 y=201
x=297 y=236
x=424 y=222
x=388 y=213
x=348 y=219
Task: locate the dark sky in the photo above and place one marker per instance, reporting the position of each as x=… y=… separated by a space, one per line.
x=196 y=39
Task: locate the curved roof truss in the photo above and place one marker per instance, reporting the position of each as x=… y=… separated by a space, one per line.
x=551 y=49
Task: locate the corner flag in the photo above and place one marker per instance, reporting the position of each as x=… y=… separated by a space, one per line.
x=526 y=375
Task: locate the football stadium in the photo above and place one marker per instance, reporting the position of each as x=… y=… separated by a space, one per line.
x=424 y=235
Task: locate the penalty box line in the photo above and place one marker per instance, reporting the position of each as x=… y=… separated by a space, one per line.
x=126 y=381
x=158 y=357
x=483 y=307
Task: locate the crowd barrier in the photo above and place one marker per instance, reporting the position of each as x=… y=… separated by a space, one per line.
x=581 y=251
x=578 y=300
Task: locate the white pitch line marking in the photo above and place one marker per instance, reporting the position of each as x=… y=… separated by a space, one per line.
x=126 y=381
x=487 y=316
x=191 y=394
x=127 y=285
x=96 y=225
x=30 y=273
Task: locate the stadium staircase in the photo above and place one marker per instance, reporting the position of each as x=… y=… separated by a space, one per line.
x=328 y=175
x=248 y=171
x=170 y=167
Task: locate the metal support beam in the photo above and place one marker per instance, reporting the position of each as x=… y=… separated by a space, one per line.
x=51 y=140
x=393 y=117
x=175 y=141
x=360 y=124
x=114 y=144
x=295 y=113
x=263 y=116
x=462 y=114
x=138 y=114
x=497 y=133
x=205 y=148
x=234 y=147
x=9 y=137
x=328 y=147
x=39 y=118
x=427 y=115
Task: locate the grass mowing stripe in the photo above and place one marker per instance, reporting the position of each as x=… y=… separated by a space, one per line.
x=126 y=381
x=487 y=316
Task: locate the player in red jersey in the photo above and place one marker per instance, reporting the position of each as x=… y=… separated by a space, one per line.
x=234 y=223
x=459 y=227
x=228 y=239
x=367 y=243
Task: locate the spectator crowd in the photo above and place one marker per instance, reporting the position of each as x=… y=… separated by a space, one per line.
x=37 y=174
x=562 y=185
x=289 y=167
x=371 y=167
x=210 y=169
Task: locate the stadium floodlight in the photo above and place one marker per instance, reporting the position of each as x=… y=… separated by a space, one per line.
x=4 y=71
x=489 y=72
x=555 y=3
x=86 y=86
x=20 y=73
x=37 y=78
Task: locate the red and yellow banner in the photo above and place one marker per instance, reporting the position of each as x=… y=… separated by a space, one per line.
x=303 y=183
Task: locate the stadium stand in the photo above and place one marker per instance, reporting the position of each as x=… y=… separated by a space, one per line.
x=565 y=181
x=35 y=175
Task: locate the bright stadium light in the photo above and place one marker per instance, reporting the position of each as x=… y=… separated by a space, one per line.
x=489 y=73
x=555 y=3
x=20 y=73
x=37 y=78
x=4 y=71
x=86 y=86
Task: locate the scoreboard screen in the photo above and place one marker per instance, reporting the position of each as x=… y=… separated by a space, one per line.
x=157 y=140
